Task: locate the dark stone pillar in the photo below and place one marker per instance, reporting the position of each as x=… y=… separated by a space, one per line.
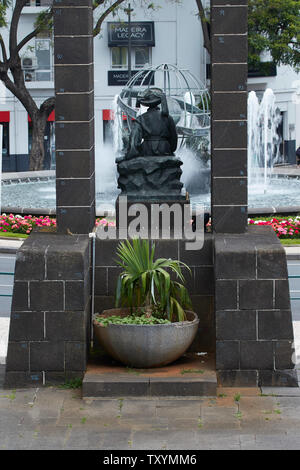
x=229 y=115
x=74 y=111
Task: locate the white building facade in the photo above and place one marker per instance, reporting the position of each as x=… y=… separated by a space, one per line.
x=171 y=34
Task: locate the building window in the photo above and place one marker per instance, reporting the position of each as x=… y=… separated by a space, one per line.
x=119 y=57
x=5 y=139
x=39 y=67
x=39 y=3
x=43 y=52
x=142 y=57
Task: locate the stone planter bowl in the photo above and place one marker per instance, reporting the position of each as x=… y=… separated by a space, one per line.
x=145 y=346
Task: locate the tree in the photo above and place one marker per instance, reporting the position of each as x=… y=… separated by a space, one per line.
x=273 y=26
x=12 y=76
x=11 y=73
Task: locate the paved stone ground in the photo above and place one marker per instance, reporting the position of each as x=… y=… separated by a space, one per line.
x=53 y=418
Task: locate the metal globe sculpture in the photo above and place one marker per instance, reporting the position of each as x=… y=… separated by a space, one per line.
x=187 y=97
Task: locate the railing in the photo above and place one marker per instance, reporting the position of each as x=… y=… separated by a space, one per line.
x=294 y=276
x=6 y=287
x=7 y=268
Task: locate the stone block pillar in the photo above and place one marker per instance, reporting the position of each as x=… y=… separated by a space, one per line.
x=74 y=114
x=229 y=115
x=254 y=329
x=50 y=318
x=50 y=321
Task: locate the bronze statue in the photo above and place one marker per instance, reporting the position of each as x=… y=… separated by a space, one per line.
x=149 y=169
x=154 y=132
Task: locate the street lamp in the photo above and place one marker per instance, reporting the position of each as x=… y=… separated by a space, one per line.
x=129 y=10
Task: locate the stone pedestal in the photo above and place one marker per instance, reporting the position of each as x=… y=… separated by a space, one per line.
x=154 y=177
x=164 y=217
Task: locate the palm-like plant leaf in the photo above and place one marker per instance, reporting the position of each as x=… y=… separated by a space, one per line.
x=147 y=282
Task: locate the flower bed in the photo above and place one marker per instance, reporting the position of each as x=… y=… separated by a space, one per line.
x=285 y=228
x=23 y=224
x=105 y=222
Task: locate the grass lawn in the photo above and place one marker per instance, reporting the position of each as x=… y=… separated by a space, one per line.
x=13 y=235
x=286 y=241
x=290 y=241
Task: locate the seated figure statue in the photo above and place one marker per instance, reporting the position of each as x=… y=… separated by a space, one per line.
x=154 y=132
x=149 y=168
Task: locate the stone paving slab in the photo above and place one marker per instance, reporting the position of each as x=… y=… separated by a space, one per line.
x=281 y=391
x=191 y=375
x=53 y=418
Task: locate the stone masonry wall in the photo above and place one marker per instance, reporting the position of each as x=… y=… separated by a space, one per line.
x=50 y=317
x=200 y=285
x=254 y=330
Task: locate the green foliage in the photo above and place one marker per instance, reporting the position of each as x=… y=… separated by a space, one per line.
x=147 y=283
x=71 y=384
x=3 y=9
x=274 y=26
x=130 y=320
x=191 y=371
x=44 y=21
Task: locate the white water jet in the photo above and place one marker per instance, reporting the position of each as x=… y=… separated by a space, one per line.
x=105 y=166
x=106 y=169
x=263 y=140
x=195 y=174
x=253 y=135
x=116 y=128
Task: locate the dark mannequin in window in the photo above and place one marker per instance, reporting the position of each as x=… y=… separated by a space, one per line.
x=154 y=132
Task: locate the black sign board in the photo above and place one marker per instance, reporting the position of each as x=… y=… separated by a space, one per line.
x=142 y=34
x=121 y=77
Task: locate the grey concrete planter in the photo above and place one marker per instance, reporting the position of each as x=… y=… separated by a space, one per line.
x=146 y=346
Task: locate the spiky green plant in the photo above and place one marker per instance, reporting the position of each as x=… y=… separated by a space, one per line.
x=146 y=283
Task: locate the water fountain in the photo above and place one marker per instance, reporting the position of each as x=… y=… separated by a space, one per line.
x=263 y=139
x=267 y=192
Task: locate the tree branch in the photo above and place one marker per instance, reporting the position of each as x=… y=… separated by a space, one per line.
x=27 y=39
x=14 y=27
x=25 y=98
x=97 y=3
x=107 y=12
x=3 y=49
x=48 y=105
x=45 y=19
x=205 y=26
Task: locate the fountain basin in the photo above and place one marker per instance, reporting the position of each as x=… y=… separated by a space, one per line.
x=34 y=193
